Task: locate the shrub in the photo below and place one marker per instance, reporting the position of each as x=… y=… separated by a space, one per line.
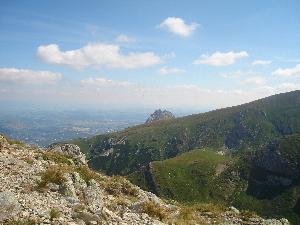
x=28 y=160
x=53 y=174
x=119 y=185
x=86 y=173
x=154 y=210
x=54 y=213
x=21 y=222
x=57 y=157
x=79 y=208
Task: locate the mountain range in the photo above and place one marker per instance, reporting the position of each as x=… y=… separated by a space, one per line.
x=246 y=156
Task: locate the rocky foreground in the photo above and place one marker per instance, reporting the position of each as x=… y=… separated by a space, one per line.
x=55 y=186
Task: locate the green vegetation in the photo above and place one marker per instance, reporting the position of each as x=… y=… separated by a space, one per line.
x=154 y=210
x=21 y=222
x=189 y=177
x=53 y=174
x=54 y=213
x=259 y=171
x=57 y=157
x=239 y=128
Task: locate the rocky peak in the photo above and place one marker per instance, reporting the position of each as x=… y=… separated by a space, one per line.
x=159 y=115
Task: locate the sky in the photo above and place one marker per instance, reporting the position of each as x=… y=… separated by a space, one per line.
x=147 y=54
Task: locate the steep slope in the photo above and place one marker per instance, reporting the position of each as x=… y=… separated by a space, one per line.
x=54 y=186
x=238 y=129
x=265 y=181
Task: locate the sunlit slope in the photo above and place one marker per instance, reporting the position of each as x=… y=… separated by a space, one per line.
x=239 y=128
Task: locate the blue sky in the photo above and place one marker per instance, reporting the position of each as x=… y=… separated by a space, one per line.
x=170 y=54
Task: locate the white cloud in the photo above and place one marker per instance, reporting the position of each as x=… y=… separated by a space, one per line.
x=104 y=82
x=177 y=26
x=288 y=72
x=97 y=55
x=261 y=62
x=221 y=59
x=170 y=70
x=256 y=80
x=235 y=74
x=124 y=38
x=288 y=87
x=14 y=75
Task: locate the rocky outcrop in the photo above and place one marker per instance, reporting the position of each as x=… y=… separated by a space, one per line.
x=71 y=150
x=38 y=188
x=159 y=115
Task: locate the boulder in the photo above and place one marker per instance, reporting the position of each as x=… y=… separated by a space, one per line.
x=9 y=206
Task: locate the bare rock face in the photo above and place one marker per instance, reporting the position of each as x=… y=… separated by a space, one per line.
x=159 y=115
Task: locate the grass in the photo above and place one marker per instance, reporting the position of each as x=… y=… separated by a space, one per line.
x=22 y=222
x=28 y=160
x=118 y=185
x=54 y=213
x=188 y=177
x=53 y=174
x=79 y=208
x=57 y=157
x=199 y=213
x=154 y=210
x=12 y=141
x=241 y=127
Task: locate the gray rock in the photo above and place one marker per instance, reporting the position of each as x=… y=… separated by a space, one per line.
x=67 y=188
x=235 y=210
x=72 y=200
x=86 y=217
x=70 y=149
x=9 y=207
x=53 y=187
x=78 y=182
x=275 y=222
x=93 y=196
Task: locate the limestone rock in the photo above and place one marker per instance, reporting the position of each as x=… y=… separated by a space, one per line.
x=9 y=207
x=69 y=149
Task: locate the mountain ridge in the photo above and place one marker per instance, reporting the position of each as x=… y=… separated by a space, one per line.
x=54 y=186
x=237 y=128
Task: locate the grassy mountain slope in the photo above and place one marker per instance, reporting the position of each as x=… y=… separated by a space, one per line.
x=248 y=126
x=265 y=181
x=180 y=177
x=260 y=171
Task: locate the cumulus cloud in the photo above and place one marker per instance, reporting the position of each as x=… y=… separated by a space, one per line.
x=261 y=62
x=124 y=38
x=221 y=59
x=14 y=75
x=288 y=87
x=97 y=55
x=288 y=72
x=104 y=82
x=178 y=26
x=170 y=70
x=256 y=80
